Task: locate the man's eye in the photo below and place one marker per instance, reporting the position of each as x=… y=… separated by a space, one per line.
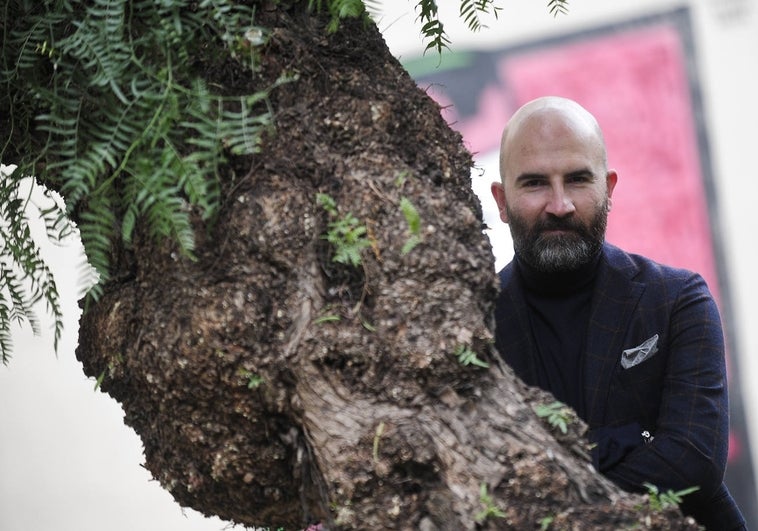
x=531 y=183
x=579 y=179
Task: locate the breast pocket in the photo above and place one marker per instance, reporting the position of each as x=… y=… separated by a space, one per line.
x=636 y=391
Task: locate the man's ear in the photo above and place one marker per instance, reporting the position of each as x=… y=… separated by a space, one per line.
x=498 y=192
x=611 y=179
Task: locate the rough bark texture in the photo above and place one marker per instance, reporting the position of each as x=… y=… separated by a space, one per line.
x=368 y=422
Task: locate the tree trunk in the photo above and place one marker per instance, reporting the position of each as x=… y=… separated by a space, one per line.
x=274 y=387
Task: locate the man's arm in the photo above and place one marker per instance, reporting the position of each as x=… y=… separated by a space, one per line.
x=689 y=445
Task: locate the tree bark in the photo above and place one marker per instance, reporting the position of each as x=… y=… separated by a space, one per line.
x=273 y=387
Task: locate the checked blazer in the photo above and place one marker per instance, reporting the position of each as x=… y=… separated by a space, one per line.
x=658 y=412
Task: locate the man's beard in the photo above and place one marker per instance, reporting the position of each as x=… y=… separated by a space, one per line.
x=569 y=251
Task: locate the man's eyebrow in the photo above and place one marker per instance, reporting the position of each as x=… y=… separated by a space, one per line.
x=530 y=176
x=584 y=172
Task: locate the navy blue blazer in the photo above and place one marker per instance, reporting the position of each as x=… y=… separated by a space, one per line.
x=670 y=383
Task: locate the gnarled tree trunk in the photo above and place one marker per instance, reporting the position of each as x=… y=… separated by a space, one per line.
x=272 y=386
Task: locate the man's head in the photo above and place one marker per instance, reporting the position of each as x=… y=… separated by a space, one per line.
x=555 y=185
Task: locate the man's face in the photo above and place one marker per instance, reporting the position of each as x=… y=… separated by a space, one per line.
x=558 y=244
x=555 y=193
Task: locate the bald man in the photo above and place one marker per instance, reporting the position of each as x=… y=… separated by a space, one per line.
x=635 y=347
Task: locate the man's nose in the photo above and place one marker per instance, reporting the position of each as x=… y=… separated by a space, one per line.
x=559 y=203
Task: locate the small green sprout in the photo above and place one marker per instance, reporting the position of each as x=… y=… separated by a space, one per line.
x=253 y=380
x=660 y=501
x=329 y=318
x=401 y=178
x=377 y=437
x=414 y=225
x=115 y=360
x=546 y=522
x=99 y=380
x=490 y=509
x=346 y=234
x=558 y=415
x=466 y=357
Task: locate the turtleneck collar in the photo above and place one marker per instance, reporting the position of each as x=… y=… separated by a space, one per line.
x=557 y=284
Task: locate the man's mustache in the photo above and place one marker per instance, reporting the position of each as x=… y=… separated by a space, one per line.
x=564 y=224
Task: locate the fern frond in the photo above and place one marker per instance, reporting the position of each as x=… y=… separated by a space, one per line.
x=58 y=225
x=432 y=28
x=107 y=109
x=156 y=197
x=25 y=278
x=471 y=10
x=98 y=45
x=96 y=228
x=373 y=7
x=557 y=7
x=121 y=94
x=339 y=10
x=6 y=341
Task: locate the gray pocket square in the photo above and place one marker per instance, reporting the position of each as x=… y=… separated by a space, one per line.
x=634 y=356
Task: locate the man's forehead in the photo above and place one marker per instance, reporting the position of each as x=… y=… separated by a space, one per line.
x=552 y=123
x=554 y=105
x=546 y=119
x=550 y=146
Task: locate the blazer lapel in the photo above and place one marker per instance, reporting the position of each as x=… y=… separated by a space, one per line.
x=616 y=297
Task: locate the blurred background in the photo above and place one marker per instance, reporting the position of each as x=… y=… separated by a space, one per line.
x=671 y=83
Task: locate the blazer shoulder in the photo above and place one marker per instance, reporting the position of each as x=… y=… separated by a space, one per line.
x=644 y=269
x=505 y=274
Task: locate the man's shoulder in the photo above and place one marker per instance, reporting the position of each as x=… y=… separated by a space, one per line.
x=506 y=272
x=623 y=264
x=618 y=259
x=643 y=269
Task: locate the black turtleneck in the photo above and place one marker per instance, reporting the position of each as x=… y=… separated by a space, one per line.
x=559 y=316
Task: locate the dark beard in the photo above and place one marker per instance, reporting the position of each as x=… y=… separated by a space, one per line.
x=565 y=252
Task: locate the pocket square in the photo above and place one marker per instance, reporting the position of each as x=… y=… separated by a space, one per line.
x=634 y=356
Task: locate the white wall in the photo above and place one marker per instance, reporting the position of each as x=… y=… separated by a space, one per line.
x=67 y=461
x=69 y=464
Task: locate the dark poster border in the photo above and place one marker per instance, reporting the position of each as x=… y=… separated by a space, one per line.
x=449 y=76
